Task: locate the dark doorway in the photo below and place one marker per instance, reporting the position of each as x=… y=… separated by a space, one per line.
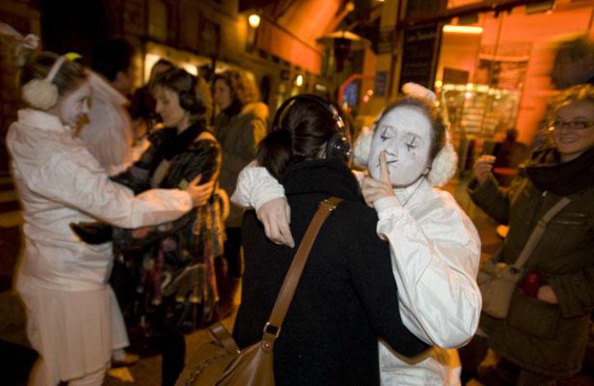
x=73 y=25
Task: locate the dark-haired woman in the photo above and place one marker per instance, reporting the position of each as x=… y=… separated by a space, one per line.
x=347 y=296
x=239 y=127
x=177 y=279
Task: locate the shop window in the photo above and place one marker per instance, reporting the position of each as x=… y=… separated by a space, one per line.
x=497 y=75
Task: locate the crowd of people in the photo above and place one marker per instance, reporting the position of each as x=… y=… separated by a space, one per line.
x=178 y=187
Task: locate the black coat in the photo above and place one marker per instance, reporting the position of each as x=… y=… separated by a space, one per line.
x=347 y=296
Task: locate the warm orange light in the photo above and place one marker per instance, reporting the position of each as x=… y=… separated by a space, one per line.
x=462 y=29
x=254 y=20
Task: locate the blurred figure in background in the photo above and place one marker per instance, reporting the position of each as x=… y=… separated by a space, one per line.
x=508 y=155
x=239 y=126
x=574 y=63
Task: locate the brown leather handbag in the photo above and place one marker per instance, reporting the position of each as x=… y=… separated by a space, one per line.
x=220 y=362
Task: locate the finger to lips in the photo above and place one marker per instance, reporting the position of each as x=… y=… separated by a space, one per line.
x=384 y=171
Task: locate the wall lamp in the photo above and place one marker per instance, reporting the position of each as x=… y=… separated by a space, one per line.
x=254 y=20
x=462 y=29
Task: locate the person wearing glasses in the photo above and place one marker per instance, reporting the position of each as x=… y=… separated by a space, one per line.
x=543 y=338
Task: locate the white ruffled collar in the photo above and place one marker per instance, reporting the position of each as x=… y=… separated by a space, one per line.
x=41 y=120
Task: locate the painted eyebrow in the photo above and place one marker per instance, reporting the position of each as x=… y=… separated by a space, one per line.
x=384 y=130
x=413 y=138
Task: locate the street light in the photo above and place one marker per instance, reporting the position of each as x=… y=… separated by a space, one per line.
x=254 y=20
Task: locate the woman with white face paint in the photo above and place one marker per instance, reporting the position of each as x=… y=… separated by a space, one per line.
x=435 y=247
x=62 y=281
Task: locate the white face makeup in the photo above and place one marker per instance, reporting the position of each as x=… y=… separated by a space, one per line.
x=405 y=135
x=72 y=107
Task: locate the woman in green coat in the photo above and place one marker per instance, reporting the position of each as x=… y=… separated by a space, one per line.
x=544 y=336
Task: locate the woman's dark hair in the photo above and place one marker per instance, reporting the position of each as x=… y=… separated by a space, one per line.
x=160 y=63
x=111 y=56
x=187 y=87
x=68 y=78
x=243 y=90
x=304 y=128
x=438 y=134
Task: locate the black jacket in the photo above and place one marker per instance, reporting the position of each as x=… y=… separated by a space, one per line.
x=347 y=297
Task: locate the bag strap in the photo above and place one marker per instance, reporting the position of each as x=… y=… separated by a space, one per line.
x=538 y=231
x=283 y=301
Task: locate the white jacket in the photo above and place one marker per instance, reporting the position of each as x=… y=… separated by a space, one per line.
x=435 y=256
x=108 y=134
x=59 y=182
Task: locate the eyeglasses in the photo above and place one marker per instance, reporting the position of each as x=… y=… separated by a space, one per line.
x=572 y=125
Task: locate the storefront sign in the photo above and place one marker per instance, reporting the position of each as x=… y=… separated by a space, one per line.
x=419 y=54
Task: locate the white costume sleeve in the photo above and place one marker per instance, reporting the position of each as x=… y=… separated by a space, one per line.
x=255 y=187
x=76 y=180
x=435 y=257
